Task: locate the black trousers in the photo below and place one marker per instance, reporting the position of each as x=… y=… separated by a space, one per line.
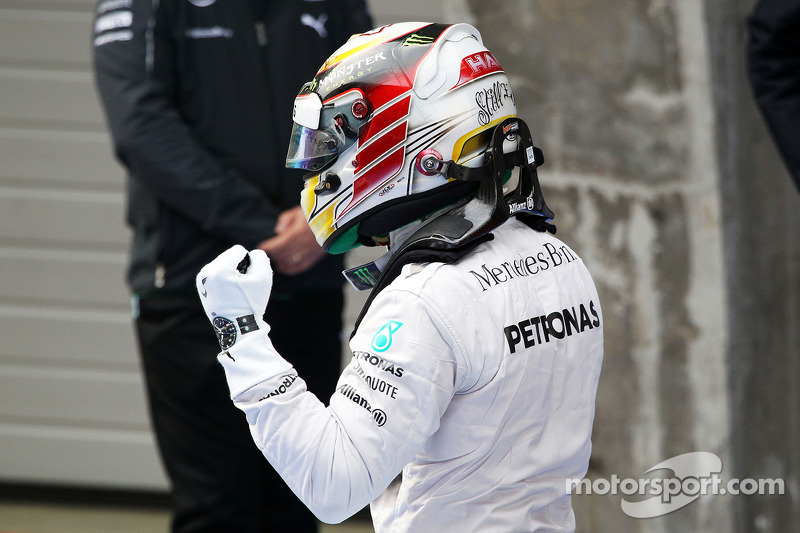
x=220 y=481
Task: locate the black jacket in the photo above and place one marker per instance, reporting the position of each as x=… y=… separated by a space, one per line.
x=773 y=54
x=198 y=96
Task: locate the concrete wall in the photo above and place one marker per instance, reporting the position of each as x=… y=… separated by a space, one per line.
x=761 y=225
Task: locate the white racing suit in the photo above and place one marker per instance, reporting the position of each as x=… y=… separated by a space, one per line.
x=476 y=381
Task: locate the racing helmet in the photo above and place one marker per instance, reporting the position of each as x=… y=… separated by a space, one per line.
x=385 y=121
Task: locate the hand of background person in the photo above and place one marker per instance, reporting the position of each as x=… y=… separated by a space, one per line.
x=294 y=248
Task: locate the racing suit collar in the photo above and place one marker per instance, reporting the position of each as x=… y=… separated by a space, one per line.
x=365 y=277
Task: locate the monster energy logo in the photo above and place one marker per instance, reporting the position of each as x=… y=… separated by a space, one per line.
x=366 y=276
x=418 y=40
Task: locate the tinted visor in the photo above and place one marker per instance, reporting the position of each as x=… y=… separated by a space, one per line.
x=314 y=149
x=323 y=131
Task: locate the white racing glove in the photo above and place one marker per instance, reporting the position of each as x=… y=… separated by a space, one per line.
x=234 y=289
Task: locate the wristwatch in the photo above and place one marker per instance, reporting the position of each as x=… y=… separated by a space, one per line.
x=226 y=332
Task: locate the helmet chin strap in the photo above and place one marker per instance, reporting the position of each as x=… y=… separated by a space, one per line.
x=489 y=208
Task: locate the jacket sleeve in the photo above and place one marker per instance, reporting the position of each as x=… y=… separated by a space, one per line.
x=389 y=401
x=773 y=53
x=134 y=72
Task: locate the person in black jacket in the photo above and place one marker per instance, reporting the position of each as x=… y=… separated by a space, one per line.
x=198 y=97
x=773 y=52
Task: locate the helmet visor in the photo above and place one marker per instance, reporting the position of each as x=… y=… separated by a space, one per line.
x=313 y=149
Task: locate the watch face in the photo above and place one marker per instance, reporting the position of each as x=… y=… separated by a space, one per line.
x=226 y=332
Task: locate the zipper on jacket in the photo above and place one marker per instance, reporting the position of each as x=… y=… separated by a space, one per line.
x=161 y=275
x=261 y=33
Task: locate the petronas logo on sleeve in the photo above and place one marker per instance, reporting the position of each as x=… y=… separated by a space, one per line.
x=418 y=40
x=382 y=340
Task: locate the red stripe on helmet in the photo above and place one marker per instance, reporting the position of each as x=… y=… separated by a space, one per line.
x=378 y=145
x=376 y=177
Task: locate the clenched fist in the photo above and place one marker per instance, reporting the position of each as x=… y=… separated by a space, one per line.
x=234 y=289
